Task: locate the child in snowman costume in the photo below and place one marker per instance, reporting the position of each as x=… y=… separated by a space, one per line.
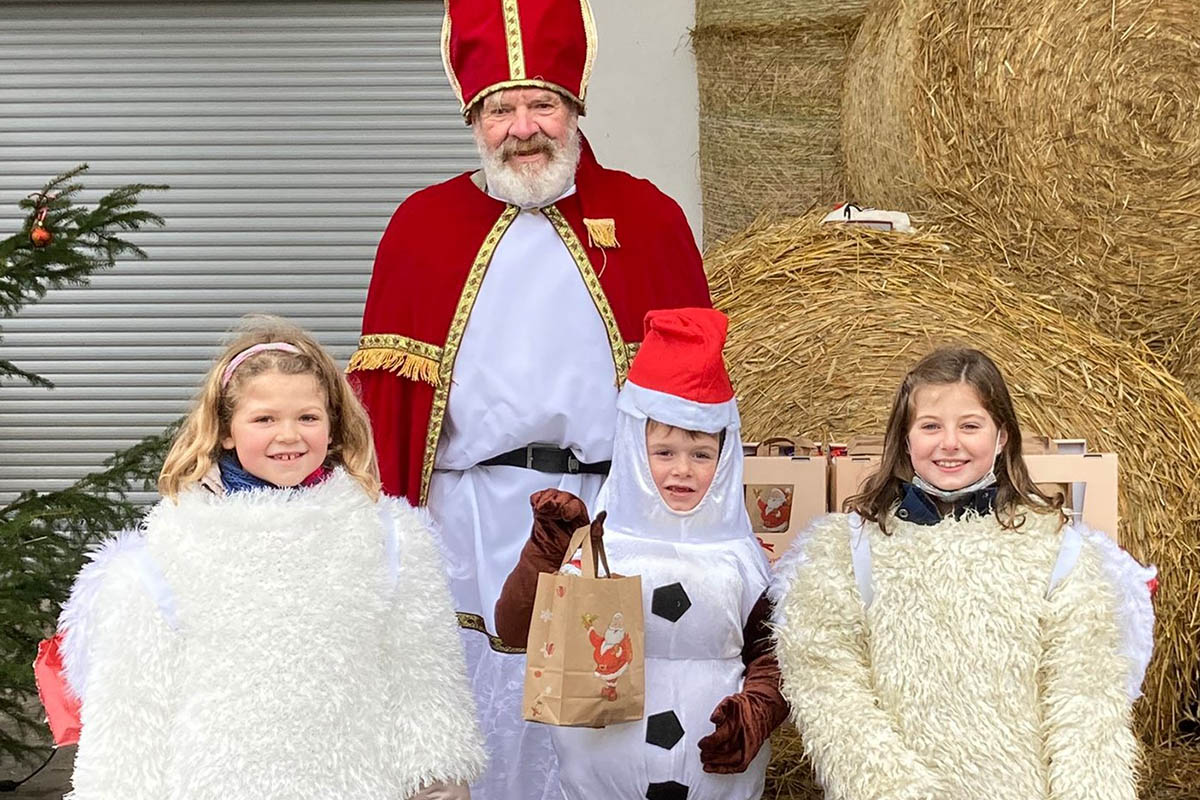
x=673 y=513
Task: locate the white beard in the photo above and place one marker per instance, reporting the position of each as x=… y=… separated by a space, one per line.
x=536 y=187
x=612 y=638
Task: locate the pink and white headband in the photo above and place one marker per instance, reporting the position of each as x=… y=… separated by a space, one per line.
x=250 y=351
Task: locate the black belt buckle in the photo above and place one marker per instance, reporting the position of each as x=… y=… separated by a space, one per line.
x=572 y=464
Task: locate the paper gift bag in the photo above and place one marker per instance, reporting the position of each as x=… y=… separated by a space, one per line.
x=585 y=661
x=785 y=490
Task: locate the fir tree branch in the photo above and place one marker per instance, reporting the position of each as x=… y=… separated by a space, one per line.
x=10 y=370
x=84 y=240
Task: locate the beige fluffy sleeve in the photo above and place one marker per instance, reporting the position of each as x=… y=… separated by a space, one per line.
x=1087 y=729
x=821 y=642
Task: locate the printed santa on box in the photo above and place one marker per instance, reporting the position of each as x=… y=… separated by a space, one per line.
x=785 y=489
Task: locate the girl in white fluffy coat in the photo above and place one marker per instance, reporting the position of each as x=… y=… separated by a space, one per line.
x=276 y=629
x=922 y=652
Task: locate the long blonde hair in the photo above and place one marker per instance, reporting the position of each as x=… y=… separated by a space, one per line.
x=198 y=443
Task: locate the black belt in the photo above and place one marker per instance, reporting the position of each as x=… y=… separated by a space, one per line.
x=547 y=459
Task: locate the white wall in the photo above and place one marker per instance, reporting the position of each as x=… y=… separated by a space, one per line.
x=643 y=102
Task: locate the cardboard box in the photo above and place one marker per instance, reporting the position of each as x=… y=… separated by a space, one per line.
x=851 y=466
x=782 y=446
x=1091 y=481
x=783 y=494
x=847 y=474
x=1088 y=481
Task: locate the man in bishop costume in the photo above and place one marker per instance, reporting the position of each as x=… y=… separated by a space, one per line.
x=504 y=309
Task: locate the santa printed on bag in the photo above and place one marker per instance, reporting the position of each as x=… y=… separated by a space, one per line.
x=612 y=654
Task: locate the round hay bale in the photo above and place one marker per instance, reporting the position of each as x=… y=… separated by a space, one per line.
x=1064 y=135
x=770 y=80
x=825 y=320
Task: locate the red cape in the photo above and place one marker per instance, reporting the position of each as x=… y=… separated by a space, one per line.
x=431 y=262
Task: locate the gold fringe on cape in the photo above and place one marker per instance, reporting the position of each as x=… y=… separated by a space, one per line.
x=406 y=357
x=602 y=232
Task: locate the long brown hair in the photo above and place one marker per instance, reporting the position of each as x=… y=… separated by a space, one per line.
x=198 y=443
x=1015 y=491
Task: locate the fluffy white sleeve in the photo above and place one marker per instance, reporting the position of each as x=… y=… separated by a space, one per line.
x=1090 y=744
x=821 y=643
x=118 y=652
x=436 y=735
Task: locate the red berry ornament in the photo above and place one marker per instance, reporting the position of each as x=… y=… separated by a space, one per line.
x=40 y=236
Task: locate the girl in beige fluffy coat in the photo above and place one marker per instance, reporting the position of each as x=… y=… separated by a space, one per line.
x=926 y=651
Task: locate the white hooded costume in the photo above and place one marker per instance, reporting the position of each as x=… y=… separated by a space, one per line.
x=702 y=573
x=269 y=645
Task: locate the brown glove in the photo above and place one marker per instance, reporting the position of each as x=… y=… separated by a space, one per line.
x=556 y=516
x=745 y=720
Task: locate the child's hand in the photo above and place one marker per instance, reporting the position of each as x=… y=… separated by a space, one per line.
x=443 y=791
x=563 y=509
x=738 y=737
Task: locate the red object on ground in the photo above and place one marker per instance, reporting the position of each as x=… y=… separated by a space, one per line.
x=60 y=702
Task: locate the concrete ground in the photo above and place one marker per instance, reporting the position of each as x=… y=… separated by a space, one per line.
x=49 y=784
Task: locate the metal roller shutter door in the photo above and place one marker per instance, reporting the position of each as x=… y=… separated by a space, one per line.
x=288 y=132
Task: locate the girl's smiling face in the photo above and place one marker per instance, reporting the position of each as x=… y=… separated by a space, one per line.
x=280 y=427
x=952 y=439
x=682 y=464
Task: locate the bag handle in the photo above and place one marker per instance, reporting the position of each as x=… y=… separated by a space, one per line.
x=581 y=540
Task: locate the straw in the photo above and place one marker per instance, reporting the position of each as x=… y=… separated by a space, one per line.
x=770 y=81
x=1063 y=137
x=824 y=321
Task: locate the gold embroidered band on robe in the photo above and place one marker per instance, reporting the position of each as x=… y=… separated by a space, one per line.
x=458 y=326
x=474 y=622
x=619 y=352
x=406 y=357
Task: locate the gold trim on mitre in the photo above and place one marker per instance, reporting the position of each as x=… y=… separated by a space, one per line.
x=513 y=40
x=589 y=31
x=521 y=84
x=446 y=65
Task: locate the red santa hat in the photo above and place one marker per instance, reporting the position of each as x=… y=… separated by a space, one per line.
x=488 y=45
x=678 y=376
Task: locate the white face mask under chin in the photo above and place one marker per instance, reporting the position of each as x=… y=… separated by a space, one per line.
x=951 y=495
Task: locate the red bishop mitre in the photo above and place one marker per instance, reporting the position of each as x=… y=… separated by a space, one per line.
x=678 y=376
x=489 y=45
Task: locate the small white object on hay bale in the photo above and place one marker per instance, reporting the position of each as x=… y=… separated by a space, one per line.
x=826 y=319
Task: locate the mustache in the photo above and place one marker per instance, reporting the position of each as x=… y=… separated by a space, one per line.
x=538 y=143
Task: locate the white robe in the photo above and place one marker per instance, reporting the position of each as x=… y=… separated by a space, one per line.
x=534 y=366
